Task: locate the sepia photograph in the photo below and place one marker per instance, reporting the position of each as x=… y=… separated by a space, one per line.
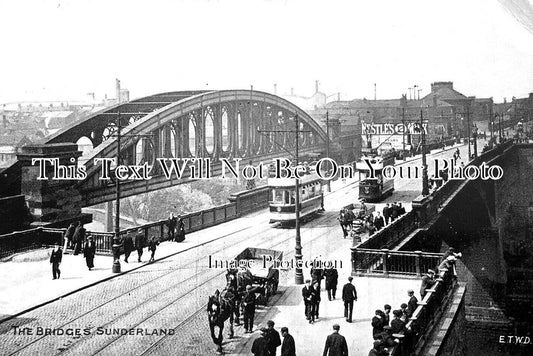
x=266 y=177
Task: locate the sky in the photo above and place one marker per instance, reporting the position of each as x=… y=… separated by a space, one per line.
x=62 y=50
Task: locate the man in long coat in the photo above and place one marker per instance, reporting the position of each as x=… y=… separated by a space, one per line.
x=128 y=246
x=89 y=250
x=332 y=277
x=336 y=344
x=55 y=260
x=349 y=295
x=139 y=243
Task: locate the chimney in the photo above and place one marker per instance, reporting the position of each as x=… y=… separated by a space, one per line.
x=339 y=96
x=292 y=91
x=117 y=85
x=316 y=86
x=275 y=89
x=438 y=85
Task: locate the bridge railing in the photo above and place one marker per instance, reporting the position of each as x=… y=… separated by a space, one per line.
x=426 y=315
x=22 y=241
x=392 y=233
x=384 y=262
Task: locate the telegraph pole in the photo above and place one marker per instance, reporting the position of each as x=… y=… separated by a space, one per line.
x=468 y=123
x=403 y=133
x=116 y=237
x=298 y=276
x=425 y=185
x=327 y=147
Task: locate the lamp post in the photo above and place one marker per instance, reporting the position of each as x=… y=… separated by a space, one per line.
x=116 y=237
x=474 y=135
x=425 y=183
x=327 y=147
x=468 y=125
x=403 y=134
x=298 y=276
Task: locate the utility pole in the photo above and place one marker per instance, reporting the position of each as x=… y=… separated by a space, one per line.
x=116 y=237
x=327 y=147
x=298 y=276
x=375 y=94
x=468 y=123
x=425 y=185
x=403 y=133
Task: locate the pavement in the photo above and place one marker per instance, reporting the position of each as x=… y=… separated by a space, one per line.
x=27 y=281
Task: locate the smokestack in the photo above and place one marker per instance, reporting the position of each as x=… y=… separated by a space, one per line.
x=375 y=94
x=338 y=96
x=117 y=85
x=275 y=89
x=292 y=91
x=316 y=86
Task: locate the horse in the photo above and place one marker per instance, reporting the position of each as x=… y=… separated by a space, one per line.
x=221 y=307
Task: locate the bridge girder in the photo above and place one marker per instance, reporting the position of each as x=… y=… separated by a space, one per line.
x=215 y=125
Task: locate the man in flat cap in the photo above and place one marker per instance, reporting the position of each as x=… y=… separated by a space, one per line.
x=412 y=303
x=428 y=280
x=248 y=303
x=349 y=295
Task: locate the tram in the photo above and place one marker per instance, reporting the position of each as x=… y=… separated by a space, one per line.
x=282 y=197
x=376 y=188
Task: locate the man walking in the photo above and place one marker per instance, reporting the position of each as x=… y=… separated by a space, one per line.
x=55 y=260
x=172 y=222
x=349 y=295
x=386 y=213
x=248 y=303
x=152 y=246
x=288 y=348
x=272 y=338
x=89 y=250
x=332 y=277
x=336 y=344
x=139 y=243
x=307 y=294
x=128 y=246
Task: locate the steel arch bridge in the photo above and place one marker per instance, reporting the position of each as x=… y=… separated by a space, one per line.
x=192 y=124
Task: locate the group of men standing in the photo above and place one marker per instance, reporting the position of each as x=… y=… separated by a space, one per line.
x=138 y=243
x=176 y=228
x=392 y=211
x=267 y=343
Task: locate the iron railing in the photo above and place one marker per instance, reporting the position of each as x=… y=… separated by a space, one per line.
x=391 y=234
x=384 y=262
x=428 y=312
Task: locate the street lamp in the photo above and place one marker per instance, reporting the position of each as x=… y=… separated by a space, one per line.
x=116 y=237
x=327 y=148
x=425 y=183
x=474 y=135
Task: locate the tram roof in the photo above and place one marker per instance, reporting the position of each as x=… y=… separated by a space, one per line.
x=290 y=182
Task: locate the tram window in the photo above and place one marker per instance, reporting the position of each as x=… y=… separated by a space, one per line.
x=278 y=196
x=287 y=197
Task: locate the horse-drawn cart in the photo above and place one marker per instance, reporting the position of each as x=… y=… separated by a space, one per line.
x=262 y=274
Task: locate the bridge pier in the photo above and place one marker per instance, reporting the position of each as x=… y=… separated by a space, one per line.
x=51 y=202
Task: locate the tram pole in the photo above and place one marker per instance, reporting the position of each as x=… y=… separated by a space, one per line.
x=327 y=148
x=116 y=237
x=298 y=276
x=425 y=183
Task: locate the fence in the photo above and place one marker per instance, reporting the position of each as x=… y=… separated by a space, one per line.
x=428 y=312
x=242 y=203
x=384 y=262
x=392 y=233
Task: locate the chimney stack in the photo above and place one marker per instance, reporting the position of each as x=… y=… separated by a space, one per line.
x=316 y=86
x=292 y=91
x=275 y=89
x=117 y=85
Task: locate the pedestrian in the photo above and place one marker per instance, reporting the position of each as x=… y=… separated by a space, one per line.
x=397 y=324
x=451 y=252
x=336 y=344
x=89 y=250
x=259 y=347
x=378 y=221
x=386 y=213
x=394 y=211
x=69 y=234
x=332 y=277
x=377 y=323
x=375 y=351
x=307 y=294
x=172 y=223
x=317 y=274
x=349 y=295
x=180 y=236
x=448 y=265
x=78 y=238
x=288 y=348
x=386 y=314
x=316 y=299
x=128 y=245
x=428 y=280
x=412 y=303
x=139 y=243
x=401 y=209
x=248 y=303
x=152 y=246
x=55 y=259
x=403 y=310
x=272 y=338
